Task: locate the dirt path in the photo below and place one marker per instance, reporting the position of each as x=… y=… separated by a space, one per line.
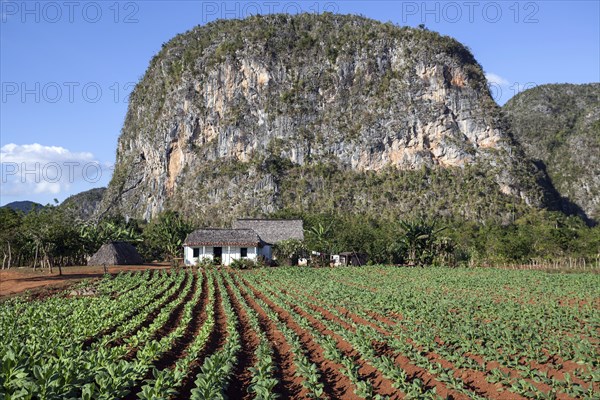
x=18 y=280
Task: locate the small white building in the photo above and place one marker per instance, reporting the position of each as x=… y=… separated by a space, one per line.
x=249 y=238
x=223 y=245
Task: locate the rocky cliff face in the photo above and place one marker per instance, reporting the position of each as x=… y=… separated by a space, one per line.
x=230 y=114
x=83 y=205
x=559 y=125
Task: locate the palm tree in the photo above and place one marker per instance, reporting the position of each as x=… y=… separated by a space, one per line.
x=97 y=234
x=419 y=238
x=166 y=234
x=320 y=238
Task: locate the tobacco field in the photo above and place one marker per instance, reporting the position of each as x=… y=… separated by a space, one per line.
x=337 y=333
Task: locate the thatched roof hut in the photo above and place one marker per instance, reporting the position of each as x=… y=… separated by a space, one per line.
x=116 y=253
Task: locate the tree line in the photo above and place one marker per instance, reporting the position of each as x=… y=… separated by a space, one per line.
x=52 y=237
x=425 y=240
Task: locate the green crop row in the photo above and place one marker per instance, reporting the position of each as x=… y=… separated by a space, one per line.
x=461 y=319
x=422 y=332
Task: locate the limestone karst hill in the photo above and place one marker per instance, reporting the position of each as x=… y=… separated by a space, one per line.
x=321 y=113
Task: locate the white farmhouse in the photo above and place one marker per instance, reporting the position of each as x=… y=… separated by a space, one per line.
x=221 y=245
x=249 y=238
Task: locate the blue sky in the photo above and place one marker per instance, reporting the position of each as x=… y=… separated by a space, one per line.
x=66 y=67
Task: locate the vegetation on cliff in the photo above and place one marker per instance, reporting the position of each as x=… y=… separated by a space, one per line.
x=318 y=112
x=559 y=125
x=83 y=205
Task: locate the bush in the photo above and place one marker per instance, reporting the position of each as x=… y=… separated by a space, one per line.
x=243 y=263
x=205 y=263
x=288 y=251
x=175 y=263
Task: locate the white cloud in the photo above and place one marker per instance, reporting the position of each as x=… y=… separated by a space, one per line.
x=37 y=169
x=48 y=188
x=494 y=79
x=31 y=153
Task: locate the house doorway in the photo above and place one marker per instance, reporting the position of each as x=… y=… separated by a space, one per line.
x=218 y=255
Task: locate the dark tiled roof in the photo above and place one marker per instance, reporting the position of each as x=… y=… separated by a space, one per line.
x=222 y=237
x=273 y=230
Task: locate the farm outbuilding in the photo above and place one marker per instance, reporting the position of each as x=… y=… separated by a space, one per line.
x=116 y=253
x=352 y=258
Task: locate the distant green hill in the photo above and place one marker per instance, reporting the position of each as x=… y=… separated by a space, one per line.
x=81 y=205
x=560 y=126
x=24 y=206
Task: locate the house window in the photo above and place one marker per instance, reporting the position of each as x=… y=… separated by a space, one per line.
x=196 y=252
x=244 y=252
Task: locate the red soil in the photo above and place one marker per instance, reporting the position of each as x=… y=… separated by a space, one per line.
x=88 y=342
x=174 y=317
x=412 y=370
x=290 y=385
x=336 y=385
x=382 y=385
x=148 y=319
x=474 y=380
x=198 y=319
x=215 y=342
x=169 y=357
x=238 y=388
x=17 y=280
